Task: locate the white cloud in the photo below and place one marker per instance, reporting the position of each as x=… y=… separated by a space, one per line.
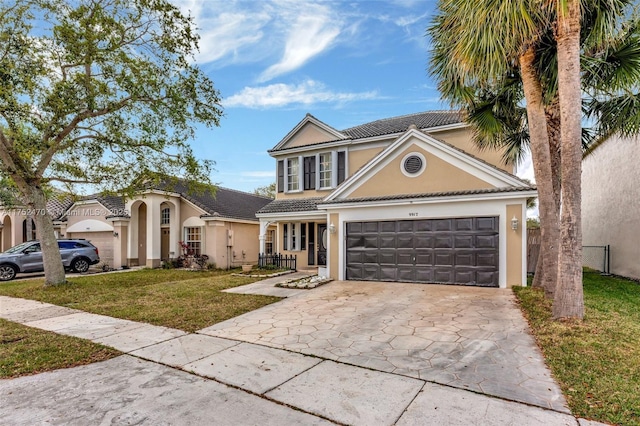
x=279 y=95
x=312 y=33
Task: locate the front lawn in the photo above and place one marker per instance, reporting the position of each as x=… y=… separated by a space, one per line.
x=25 y=350
x=596 y=362
x=186 y=300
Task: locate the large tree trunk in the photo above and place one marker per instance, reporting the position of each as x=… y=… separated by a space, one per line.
x=569 y=300
x=539 y=144
x=53 y=268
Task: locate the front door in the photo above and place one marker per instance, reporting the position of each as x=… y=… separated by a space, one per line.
x=164 y=244
x=322 y=244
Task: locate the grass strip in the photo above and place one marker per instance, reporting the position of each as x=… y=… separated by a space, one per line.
x=596 y=361
x=25 y=350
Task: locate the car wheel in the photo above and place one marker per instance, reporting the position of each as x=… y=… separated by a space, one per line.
x=80 y=265
x=7 y=272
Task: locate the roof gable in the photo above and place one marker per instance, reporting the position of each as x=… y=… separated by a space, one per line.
x=447 y=169
x=309 y=131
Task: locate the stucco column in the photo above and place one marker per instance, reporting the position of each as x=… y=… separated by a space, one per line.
x=16 y=231
x=153 y=231
x=176 y=230
x=264 y=226
x=120 y=241
x=132 y=234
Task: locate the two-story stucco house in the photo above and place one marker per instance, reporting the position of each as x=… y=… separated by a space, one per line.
x=408 y=199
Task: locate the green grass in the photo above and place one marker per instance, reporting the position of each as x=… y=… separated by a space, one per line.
x=25 y=350
x=597 y=361
x=186 y=300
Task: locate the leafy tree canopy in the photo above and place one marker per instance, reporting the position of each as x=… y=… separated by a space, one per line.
x=266 y=191
x=103 y=92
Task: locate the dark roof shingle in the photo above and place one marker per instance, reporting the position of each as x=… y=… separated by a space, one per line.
x=393 y=125
x=386 y=126
x=292 y=205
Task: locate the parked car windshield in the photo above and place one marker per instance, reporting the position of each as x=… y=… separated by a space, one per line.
x=19 y=247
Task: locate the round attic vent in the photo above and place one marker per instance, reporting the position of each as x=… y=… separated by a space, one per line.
x=413 y=164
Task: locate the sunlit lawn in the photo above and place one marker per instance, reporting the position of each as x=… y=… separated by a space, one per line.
x=186 y=300
x=596 y=362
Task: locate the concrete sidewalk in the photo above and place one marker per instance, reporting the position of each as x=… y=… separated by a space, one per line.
x=172 y=377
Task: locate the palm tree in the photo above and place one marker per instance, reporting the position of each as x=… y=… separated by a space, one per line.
x=569 y=300
x=612 y=56
x=475 y=51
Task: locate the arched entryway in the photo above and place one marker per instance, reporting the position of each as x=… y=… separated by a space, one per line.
x=142 y=234
x=28 y=229
x=167 y=218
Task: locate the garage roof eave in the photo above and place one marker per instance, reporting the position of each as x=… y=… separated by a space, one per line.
x=445 y=197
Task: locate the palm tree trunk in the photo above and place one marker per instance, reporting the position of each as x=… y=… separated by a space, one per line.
x=569 y=300
x=540 y=153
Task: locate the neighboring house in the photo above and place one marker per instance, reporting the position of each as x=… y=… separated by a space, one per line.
x=611 y=203
x=407 y=199
x=17 y=223
x=148 y=228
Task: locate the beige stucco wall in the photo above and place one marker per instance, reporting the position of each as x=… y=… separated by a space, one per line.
x=463 y=139
x=514 y=246
x=611 y=202
x=244 y=248
x=309 y=134
x=438 y=176
x=360 y=157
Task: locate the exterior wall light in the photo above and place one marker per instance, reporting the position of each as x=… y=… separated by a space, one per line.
x=115 y=234
x=332 y=228
x=514 y=223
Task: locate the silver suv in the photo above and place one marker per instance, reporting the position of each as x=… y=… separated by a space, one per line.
x=77 y=255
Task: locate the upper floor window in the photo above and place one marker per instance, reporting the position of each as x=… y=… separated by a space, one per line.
x=317 y=171
x=325 y=165
x=293 y=178
x=165 y=216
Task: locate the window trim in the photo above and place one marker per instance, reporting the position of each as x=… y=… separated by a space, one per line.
x=187 y=241
x=298 y=175
x=168 y=217
x=422 y=168
x=319 y=171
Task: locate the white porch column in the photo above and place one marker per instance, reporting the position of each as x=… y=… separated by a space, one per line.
x=264 y=225
x=153 y=232
x=176 y=230
x=132 y=234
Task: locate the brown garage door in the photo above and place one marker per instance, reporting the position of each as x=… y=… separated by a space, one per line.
x=446 y=251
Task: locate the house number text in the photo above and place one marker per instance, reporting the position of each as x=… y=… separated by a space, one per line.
x=413 y=214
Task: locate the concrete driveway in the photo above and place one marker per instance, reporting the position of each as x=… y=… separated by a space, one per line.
x=465 y=337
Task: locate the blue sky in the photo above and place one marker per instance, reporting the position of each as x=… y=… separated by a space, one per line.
x=345 y=62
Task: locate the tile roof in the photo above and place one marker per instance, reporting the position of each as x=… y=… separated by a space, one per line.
x=392 y=125
x=431 y=195
x=386 y=126
x=225 y=203
x=291 y=205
